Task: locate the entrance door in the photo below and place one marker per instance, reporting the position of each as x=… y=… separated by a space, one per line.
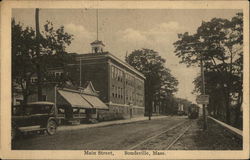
x=131 y=112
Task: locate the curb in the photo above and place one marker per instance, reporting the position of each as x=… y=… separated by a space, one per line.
x=70 y=128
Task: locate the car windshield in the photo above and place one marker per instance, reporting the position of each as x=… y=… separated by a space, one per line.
x=38 y=109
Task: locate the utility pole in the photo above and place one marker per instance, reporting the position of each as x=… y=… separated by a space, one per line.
x=80 y=83
x=203 y=93
x=38 y=66
x=97 y=24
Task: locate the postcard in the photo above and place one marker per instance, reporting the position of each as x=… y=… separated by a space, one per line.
x=124 y=80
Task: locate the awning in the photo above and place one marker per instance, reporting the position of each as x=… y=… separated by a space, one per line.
x=74 y=99
x=95 y=102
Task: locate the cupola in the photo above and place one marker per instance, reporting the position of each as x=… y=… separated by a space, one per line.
x=97 y=46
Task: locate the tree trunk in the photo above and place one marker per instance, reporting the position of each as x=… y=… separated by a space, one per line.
x=237 y=110
x=228 y=109
x=39 y=77
x=39 y=83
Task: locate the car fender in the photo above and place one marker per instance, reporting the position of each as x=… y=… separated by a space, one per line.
x=53 y=119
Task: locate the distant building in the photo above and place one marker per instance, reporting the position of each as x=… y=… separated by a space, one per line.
x=120 y=86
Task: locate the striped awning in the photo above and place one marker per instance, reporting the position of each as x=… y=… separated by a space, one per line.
x=95 y=102
x=74 y=99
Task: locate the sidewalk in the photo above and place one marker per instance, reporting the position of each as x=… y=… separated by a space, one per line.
x=215 y=137
x=101 y=124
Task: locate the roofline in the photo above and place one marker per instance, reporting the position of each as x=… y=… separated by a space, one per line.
x=40 y=102
x=128 y=65
x=78 y=91
x=109 y=55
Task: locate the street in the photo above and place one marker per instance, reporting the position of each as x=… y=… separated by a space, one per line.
x=115 y=137
x=163 y=133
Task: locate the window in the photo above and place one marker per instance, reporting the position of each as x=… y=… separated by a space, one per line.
x=126 y=79
x=121 y=75
x=44 y=98
x=40 y=109
x=113 y=71
x=126 y=94
x=116 y=92
x=120 y=92
x=61 y=111
x=33 y=79
x=116 y=73
x=113 y=90
x=119 y=95
x=75 y=110
x=82 y=111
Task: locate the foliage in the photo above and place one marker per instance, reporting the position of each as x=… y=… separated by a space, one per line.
x=219 y=44
x=25 y=58
x=159 y=81
x=23 y=48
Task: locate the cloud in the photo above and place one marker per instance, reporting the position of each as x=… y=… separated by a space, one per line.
x=82 y=38
x=160 y=38
x=172 y=25
x=131 y=35
x=160 y=34
x=78 y=30
x=165 y=28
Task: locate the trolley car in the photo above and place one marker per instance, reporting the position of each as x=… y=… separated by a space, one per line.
x=193 y=111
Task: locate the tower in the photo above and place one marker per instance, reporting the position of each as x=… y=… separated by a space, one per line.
x=97 y=46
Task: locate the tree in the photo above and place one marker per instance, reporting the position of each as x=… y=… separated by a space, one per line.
x=23 y=49
x=159 y=80
x=27 y=61
x=219 y=43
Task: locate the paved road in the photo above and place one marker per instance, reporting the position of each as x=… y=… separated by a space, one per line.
x=115 y=137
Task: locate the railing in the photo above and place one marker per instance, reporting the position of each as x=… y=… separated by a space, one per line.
x=233 y=130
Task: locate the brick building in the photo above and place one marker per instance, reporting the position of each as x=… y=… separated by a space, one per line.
x=120 y=86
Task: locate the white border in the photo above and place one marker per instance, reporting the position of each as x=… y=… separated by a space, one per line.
x=6 y=7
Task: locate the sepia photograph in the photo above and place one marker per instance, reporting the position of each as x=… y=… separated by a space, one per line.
x=136 y=82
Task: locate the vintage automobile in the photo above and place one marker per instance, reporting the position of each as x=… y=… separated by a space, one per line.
x=36 y=116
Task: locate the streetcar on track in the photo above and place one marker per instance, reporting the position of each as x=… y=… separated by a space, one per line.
x=193 y=111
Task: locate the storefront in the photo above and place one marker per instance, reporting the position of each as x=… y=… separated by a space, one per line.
x=79 y=105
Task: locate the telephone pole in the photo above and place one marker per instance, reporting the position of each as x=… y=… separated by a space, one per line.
x=38 y=66
x=97 y=24
x=203 y=93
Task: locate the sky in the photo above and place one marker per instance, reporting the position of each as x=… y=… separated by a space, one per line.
x=124 y=30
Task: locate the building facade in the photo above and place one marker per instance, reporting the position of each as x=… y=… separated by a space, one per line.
x=74 y=105
x=120 y=86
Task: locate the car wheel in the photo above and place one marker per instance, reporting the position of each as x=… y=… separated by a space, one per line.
x=51 y=127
